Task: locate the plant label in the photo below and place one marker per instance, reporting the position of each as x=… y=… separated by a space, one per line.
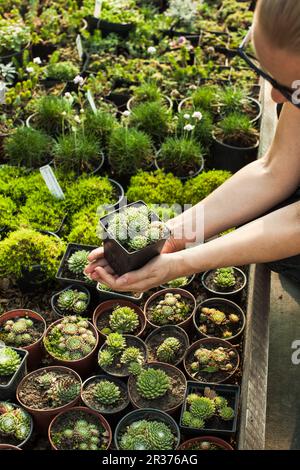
x=79 y=46
x=91 y=101
x=51 y=182
x=98 y=8
x=2 y=92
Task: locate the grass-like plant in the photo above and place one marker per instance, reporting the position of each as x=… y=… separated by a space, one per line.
x=148 y=91
x=231 y=99
x=182 y=156
x=53 y=114
x=77 y=152
x=203 y=127
x=237 y=130
x=28 y=147
x=153 y=118
x=100 y=124
x=205 y=97
x=202 y=185
x=129 y=150
x=62 y=71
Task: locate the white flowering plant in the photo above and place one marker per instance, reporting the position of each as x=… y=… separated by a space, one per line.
x=14 y=35
x=183 y=11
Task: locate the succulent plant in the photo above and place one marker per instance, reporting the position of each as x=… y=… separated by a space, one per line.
x=220 y=402
x=63 y=391
x=167 y=350
x=14 y=422
x=72 y=301
x=135 y=368
x=213 y=360
x=116 y=343
x=224 y=278
x=172 y=309
x=179 y=282
x=78 y=261
x=203 y=408
x=132 y=354
x=226 y=413
x=10 y=361
x=147 y=435
x=106 y=392
x=124 y=320
x=79 y=435
x=217 y=323
x=105 y=358
x=18 y=332
x=71 y=339
x=153 y=383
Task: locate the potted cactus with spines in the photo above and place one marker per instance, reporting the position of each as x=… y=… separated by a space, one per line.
x=15 y=425
x=105 y=394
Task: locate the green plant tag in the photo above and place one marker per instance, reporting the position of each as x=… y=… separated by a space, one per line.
x=51 y=182
x=79 y=46
x=98 y=8
x=91 y=101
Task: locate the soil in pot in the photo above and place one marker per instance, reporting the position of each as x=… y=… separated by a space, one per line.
x=78 y=429
x=219 y=318
x=48 y=389
x=224 y=280
x=119 y=316
x=169 y=307
x=211 y=360
x=105 y=394
x=167 y=344
x=205 y=443
x=159 y=386
x=15 y=424
x=119 y=352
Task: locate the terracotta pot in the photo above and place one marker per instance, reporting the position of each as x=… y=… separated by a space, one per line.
x=42 y=418
x=219 y=303
x=169 y=331
x=167 y=368
x=102 y=420
x=82 y=366
x=8 y=447
x=109 y=305
x=26 y=441
x=214 y=440
x=35 y=351
x=186 y=324
x=217 y=343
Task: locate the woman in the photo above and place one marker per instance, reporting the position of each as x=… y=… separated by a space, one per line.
x=252 y=192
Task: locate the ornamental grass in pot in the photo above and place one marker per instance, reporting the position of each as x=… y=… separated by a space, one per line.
x=106 y=394
x=72 y=342
x=23 y=328
x=121 y=355
x=16 y=425
x=167 y=344
x=219 y=318
x=158 y=385
x=119 y=316
x=170 y=307
x=79 y=428
x=46 y=392
x=147 y=429
x=148 y=93
x=235 y=143
x=211 y=360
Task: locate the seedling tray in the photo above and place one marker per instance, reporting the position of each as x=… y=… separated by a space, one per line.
x=225 y=428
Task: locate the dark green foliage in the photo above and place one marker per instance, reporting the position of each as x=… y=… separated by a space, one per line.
x=100 y=125
x=202 y=185
x=182 y=156
x=153 y=118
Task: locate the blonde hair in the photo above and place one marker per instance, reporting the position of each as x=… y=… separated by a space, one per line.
x=280 y=21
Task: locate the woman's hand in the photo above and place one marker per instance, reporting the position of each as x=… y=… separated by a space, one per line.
x=159 y=270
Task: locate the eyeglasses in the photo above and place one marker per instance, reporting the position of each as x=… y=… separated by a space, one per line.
x=253 y=63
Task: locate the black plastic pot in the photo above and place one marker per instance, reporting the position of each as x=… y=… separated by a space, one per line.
x=13 y=56
x=119 y=99
x=166 y=332
x=226 y=428
x=229 y=292
x=8 y=390
x=107 y=295
x=130 y=103
x=23 y=443
x=181 y=177
x=55 y=297
x=149 y=414
x=63 y=274
x=106 y=27
x=105 y=411
x=230 y=158
x=118 y=257
x=43 y=50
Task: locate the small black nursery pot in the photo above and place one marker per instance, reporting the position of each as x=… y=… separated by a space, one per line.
x=9 y=383
x=119 y=258
x=209 y=283
x=62 y=313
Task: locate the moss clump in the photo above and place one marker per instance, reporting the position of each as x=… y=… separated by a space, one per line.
x=201 y=186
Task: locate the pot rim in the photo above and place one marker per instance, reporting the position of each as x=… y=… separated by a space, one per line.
x=216 y=440
x=165 y=97
x=54 y=297
x=252 y=147
x=182 y=178
x=48 y=368
x=225 y=293
x=176 y=290
x=101 y=377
